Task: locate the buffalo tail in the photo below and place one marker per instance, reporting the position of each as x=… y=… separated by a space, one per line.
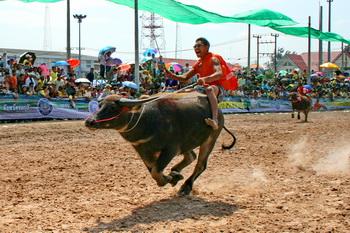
x=227 y=147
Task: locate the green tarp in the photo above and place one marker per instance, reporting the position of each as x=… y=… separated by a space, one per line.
x=183 y=13
x=315 y=34
x=264 y=17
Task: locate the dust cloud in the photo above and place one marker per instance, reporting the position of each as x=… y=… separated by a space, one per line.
x=239 y=178
x=331 y=158
x=335 y=162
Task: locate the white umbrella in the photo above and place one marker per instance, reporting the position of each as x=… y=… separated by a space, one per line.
x=82 y=80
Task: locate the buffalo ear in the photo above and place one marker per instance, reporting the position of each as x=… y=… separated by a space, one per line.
x=131 y=103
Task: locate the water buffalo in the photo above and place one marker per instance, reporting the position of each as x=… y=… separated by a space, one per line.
x=161 y=128
x=300 y=104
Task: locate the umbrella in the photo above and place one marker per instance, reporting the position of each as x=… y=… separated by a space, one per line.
x=149 y=52
x=308 y=86
x=130 y=85
x=82 y=80
x=73 y=62
x=329 y=65
x=26 y=56
x=114 y=62
x=283 y=72
x=146 y=59
x=319 y=73
x=107 y=49
x=60 y=63
x=124 y=67
x=176 y=67
x=260 y=76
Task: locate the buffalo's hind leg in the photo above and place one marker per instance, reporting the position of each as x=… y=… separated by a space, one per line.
x=306 y=112
x=189 y=157
x=204 y=152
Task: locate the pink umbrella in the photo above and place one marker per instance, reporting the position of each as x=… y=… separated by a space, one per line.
x=176 y=67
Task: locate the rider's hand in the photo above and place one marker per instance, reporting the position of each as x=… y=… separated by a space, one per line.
x=201 y=82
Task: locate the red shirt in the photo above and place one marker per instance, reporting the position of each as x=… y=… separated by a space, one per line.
x=13 y=82
x=205 y=67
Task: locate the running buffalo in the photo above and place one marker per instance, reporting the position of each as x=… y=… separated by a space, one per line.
x=300 y=104
x=159 y=128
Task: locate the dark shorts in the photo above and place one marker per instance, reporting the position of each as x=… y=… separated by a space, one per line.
x=220 y=96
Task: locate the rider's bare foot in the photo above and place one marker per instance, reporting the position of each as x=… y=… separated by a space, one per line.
x=212 y=123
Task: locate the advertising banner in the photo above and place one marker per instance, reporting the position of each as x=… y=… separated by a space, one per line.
x=34 y=107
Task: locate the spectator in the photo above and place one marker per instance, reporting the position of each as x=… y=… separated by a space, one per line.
x=104 y=67
x=91 y=75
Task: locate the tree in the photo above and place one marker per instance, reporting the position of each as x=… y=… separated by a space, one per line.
x=280 y=54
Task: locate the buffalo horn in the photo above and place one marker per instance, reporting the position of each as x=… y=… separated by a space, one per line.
x=130 y=102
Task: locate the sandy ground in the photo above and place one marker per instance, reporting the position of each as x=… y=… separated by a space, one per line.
x=282 y=176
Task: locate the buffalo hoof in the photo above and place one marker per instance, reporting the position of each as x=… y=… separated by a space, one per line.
x=176 y=177
x=298 y=117
x=292 y=115
x=185 y=190
x=162 y=182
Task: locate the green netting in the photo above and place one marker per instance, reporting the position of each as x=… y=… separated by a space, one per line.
x=264 y=17
x=330 y=36
x=183 y=13
x=298 y=31
x=315 y=34
x=47 y=1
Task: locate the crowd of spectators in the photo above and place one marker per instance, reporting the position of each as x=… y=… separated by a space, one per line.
x=61 y=82
x=265 y=83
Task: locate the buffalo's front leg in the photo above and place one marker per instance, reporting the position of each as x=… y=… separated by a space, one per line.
x=188 y=158
x=164 y=157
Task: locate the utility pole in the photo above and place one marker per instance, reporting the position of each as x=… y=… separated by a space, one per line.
x=275 y=52
x=309 y=52
x=329 y=28
x=136 y=33
x=320 y=42
x=342 y=54
x=80 y=20
x=249 y=36
x=68 y=30
x=258 y=37
x=176 y=39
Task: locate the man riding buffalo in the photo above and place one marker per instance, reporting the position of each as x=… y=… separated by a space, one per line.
x=214 y=75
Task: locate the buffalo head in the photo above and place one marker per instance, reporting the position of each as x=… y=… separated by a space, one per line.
x=114 y=112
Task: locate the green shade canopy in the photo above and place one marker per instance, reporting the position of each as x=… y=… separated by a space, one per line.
x=47 y=1
x=179 y=12
x=315 y=34
x=298 y=31
x=264 y=17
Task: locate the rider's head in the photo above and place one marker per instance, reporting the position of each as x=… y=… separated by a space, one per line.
x=201 y=47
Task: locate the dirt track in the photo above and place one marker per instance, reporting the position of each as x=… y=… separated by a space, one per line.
x=283 y=176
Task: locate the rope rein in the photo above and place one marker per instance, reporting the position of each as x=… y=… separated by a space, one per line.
x=142 y=111
x=137 y=122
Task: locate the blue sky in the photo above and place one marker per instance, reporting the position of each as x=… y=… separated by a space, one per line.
x=22 y=26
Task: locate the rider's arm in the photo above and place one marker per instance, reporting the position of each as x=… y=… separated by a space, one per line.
x=183 y=77
x=217 y=72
